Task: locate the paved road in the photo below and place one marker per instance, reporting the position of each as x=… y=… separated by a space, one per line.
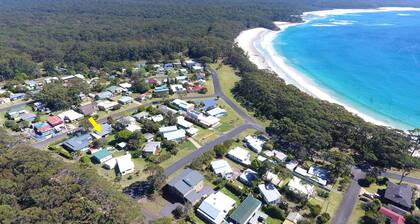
x=350 y=198
x=4 y=109
x=411 y=180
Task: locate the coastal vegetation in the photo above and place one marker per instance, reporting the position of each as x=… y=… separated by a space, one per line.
x=37 y=188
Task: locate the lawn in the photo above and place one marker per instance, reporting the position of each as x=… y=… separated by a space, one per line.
x=185 y=148
x=373 y=188
x=231 y=195
x=273 y=221
x=228 y=79
x=357 y=213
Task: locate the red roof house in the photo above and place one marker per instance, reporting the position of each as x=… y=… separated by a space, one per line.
x=54 y=120
x=393 y=216
x=42 y=127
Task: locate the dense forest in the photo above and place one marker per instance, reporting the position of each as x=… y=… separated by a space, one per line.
x=81 y=34
x=36 y=188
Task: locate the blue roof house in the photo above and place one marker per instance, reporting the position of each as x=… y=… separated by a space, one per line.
x=103 y=95
x=106 y=129
x=102 y=156
x=17 y=96
x=78 y=143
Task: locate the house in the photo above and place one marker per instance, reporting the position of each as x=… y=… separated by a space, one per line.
x=393 y=217
x=182 y=123
x=114 y=89
x=160 y=91
x=319 y=174
x=17 y=96
x=31 y=84
x=195 y=88
x=103 y=95
x=121 y=145
x=167 y=129
x=248 y=176
x=291 y=165
x=399 y=195
x=106 y=105
x=298 y=186
x=245 y=211
x=189 y=63
x=43 y=130
x=293 y=218
x=110 y=164
x=106 y=129
x=157 y=118
x=165 y=110
x=176 y=136
x=133 y=127
x=29 y=117
x=4 y=100
x=272 y=178
x=270 y=193
x=200 y=75
x=70 y=116
x=178 y=88
x=187 y=186
x=240 y=155
x=141 y=116
x=125 y=100
x=125 y=85
x=202 y=120
x=280 y=156
x=222 y=168
x=127 y=121
x=78 y=143
x=55 y=121
x=15 y=112
x=255 y=143
x=101 y=156
x=197 y=68
x=88 y=109
x=152 y=148
x=149 y=136
x=216 y=112
x=208 y=104
x=191 y=131
x=183 y=105
x=168 y=67
x=215 y=207
x=302 y=172
x=124 y=164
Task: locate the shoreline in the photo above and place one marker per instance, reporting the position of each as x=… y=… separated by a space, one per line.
x=257 y=43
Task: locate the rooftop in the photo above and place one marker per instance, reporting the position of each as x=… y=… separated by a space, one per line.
x=186 y=180
x=245 y=210
x=400 y=194
x=216 y=206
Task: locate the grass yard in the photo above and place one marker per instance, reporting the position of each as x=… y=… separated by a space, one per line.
x=228 y=79
x=357 y=213
x=273 y=220
x=373 y=188
x=231 y=195
x=185 y=148
x=154 y=205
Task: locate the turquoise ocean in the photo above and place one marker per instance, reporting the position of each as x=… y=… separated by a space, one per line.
x=369 y=61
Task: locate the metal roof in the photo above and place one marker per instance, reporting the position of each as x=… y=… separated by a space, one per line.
x=245 y=210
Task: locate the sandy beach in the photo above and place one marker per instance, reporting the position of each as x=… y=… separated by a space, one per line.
x=257 y=43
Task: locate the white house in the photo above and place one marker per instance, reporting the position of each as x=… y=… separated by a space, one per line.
x=272 y=178
x=106 y=105
x=177 y=135
x=70 y=116
x=216 y=112
x=133 y=127
x=181 y=122
x=125 y=165
x=192 y=131
x=166 y=129
x=152 y=148
x=254 y=143
x=280 y=156
x=110 y=164
x=157 y=118
x=299 y=170
x=247 y=176
x=177 y=88
x=202 y=120
x=240 y=155
x=270 y=193
x=222 y=168
x=183 y=105
x=215 y=207
x=298 y=186
x=125 y=100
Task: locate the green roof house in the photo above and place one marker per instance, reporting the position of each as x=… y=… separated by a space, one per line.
x=245 y=211
x=102 y=156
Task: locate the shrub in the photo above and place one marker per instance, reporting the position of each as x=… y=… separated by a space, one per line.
x=323 y=194
x=85 y=160
x=234 y=189
x=64 y=153
x=315 y=210
x=323 y=218
x=135 y=154
x=274 y=212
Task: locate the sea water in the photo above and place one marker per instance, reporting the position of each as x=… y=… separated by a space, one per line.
x=370 y=61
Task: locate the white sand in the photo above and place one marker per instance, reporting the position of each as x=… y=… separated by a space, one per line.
x=257 y=43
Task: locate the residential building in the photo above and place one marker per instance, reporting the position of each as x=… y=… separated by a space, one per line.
x=280 y=156
x=240 y=155
x=29 y=117
x=272 y=178
x=167 y=129
x=208 y=104
x=125 y=85
x=78 y=143
x=200 y=119
x=127 y=121
x=141 y=116
x=88 y=109
x=149 y=136
x=255 y=143
x=399 y=195
x=187 y=186
x=245 y=211
x=216 y=112
x=293 y=218
x=165 y=110
x=55 y=121
x=291 y=165
x=183 y=105
x=319 y=174
x=191 y=131
x=215 y=207
x=222 y=168
x=106 y=129
x=157 y=118
x=101 y=156
x=103 y=95
x=70 y=116
x=107 y=105
x=121 y=145
x=125 y=100
x=248 y=176
x=110 y=164
x=152 y=148
x=43 y=130
x=393 y=217
x=17 y=96
x=161 y=91
x=298 y=186
x=15 y=112
x=124 y=164
x=133 y=127
x=182 y=123
x=177 y=136
x=270 y=193
x=178 y=88
x=114 y=89
x=4 y=100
